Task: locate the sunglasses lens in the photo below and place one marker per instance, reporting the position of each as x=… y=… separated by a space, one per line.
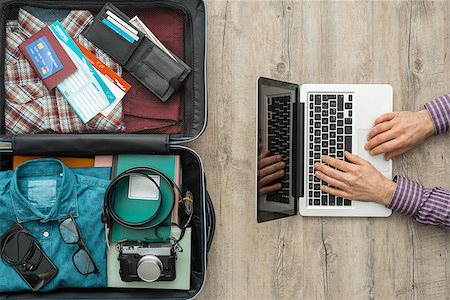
x=68 y=231
x=83 y=262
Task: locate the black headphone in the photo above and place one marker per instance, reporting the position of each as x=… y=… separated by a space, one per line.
x=25 y=262
x=109 y=214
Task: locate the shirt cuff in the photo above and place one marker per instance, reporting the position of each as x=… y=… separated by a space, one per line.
x=407 y=196
x=439 y=110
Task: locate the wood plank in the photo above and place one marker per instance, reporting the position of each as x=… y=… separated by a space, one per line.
x=403 y=43
x=427 y=77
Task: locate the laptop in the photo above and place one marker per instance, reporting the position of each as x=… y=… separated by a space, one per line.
x=303 y=123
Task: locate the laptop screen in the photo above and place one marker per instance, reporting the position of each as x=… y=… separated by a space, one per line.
x=275 y=136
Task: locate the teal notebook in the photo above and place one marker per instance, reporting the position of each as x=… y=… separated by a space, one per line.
x=182 y=268
x=132 y=206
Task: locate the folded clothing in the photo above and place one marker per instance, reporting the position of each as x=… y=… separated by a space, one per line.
x=40 y=193
x=143 y=111
x=29 y=106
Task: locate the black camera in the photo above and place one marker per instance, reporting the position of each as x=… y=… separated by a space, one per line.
x=147 y=262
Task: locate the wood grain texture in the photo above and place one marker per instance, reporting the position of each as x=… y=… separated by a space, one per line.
x=403 y=43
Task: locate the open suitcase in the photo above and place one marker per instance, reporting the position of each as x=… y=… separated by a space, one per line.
x=194 y=108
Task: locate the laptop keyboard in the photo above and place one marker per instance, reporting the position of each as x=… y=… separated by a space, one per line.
x=330 y=133
x=279 y=131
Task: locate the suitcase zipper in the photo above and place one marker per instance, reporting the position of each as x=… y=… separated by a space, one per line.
x=188 y=101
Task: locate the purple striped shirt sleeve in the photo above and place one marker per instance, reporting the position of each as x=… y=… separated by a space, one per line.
x=439 y=110
x=426 y=206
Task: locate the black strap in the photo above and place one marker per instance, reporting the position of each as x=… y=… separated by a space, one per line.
x=210 y=221
x=175 y=83
x=108 y=214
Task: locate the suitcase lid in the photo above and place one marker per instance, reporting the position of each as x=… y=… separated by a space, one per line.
x=195 y=96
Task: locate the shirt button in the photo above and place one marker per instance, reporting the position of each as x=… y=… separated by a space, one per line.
x=45 y=234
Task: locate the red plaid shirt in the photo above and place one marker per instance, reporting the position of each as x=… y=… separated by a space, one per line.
x=29 y=106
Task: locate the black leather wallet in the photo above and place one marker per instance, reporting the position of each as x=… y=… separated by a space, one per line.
x=154 y=68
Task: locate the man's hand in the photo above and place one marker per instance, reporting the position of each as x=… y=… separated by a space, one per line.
x=357 y=180
x=398 y=132
x=270 y=168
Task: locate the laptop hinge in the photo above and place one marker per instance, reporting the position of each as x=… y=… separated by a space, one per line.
x=299 y=162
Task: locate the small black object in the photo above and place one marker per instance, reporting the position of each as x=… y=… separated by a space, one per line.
x=20 y=250
x=147 y=262
x=148 y=63
x=332 y=200
x=348 y=143
x=317 y=100
x=340 y=104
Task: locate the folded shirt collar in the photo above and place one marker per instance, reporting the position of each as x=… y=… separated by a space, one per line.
x=75 y=22
x=66 y=192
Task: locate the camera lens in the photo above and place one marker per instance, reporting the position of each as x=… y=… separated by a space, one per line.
x=149 y=268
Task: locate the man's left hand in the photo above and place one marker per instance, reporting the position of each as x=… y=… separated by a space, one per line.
x=354 y=180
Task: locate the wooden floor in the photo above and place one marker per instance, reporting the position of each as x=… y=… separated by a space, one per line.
x=403 y=43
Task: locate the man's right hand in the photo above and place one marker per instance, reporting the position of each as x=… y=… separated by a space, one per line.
x=398 y=132
x=270 y=168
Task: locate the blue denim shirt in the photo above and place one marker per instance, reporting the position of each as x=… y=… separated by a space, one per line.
x=38 y=194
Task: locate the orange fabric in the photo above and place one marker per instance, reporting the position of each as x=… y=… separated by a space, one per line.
x=71 y=162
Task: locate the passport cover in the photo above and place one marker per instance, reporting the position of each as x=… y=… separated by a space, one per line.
x=47 y=57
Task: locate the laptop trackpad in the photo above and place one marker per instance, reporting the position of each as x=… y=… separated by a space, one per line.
x=377 y=161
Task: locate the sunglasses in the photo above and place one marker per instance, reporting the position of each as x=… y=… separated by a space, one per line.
x=71 y=234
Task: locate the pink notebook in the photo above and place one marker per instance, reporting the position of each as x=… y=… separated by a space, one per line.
x=103 y=161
